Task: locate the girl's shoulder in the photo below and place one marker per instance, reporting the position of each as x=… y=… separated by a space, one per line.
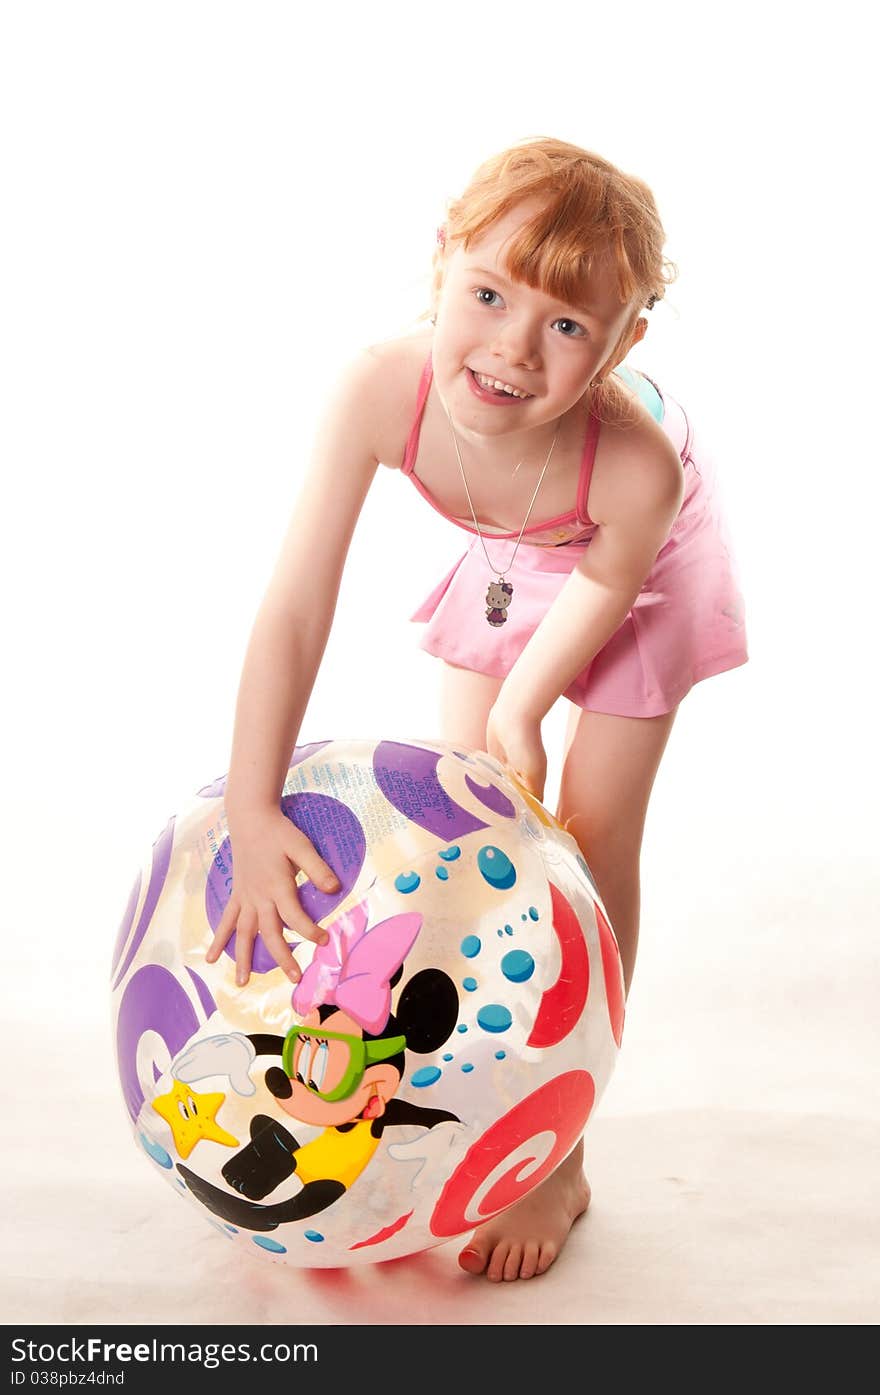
x=396 y=370
x=634 y=457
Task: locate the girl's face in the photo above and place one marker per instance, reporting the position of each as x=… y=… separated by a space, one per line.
x=491 y=329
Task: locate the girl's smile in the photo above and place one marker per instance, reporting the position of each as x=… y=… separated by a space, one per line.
x=503 y=343
x=489 y=389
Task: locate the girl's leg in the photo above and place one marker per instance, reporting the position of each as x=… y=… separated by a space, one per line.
x=466 y=699
x=608 y=773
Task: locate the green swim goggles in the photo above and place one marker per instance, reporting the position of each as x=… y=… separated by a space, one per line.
x=337 y=1060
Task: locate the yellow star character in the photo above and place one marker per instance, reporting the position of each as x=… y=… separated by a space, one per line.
x=191 y=1117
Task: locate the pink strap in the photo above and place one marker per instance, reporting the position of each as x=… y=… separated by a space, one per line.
x=587 y=459
x=412 y=444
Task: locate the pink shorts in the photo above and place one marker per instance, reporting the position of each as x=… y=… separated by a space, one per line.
x=687 y=622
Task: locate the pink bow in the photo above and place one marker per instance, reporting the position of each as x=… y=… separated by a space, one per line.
x=354 y=968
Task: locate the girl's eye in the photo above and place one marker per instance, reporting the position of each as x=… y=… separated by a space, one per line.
x=570 y=329
x=487 y=297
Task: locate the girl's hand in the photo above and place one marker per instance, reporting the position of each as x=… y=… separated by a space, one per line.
x=515 y=739
x=268 y=850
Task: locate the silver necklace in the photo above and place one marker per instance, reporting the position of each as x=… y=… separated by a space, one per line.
x=500 y=592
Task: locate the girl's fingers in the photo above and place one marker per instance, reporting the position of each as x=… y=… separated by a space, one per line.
x=224 y=931
x=268 y=923
x=303 y=854
x=245 y=935
x=279 y=949
x=295 y=918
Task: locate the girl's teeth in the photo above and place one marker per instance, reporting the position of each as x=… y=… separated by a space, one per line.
x=503 y=387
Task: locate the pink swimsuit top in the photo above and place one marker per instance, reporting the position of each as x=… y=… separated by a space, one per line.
x=574 y=526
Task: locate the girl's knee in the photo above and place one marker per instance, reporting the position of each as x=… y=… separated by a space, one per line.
x=613 y=838
x=608 y=776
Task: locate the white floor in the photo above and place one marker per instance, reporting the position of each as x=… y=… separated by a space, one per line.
x=734 y=1157
x=714 y=1215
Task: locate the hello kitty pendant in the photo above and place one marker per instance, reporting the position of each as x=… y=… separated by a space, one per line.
x=498 y=598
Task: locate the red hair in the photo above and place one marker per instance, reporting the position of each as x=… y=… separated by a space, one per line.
x=590 y=213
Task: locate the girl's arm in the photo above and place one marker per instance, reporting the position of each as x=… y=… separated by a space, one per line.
x=294 y=619
x=283 y=656
x=602 y=589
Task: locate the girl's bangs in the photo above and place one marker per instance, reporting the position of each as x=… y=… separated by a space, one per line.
x=561 y=249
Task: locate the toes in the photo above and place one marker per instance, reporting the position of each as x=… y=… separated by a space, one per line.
x=546 y=1258
x=513 y=1263
x=531 y=1255
x=473 y=1258
x=498 y=1261
x=507 y=1260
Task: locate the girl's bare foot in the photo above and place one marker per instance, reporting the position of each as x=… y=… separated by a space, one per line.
x=524 y=1240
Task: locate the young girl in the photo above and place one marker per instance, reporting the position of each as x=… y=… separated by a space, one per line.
x=598 y=567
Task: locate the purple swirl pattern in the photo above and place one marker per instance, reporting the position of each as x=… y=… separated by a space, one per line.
x=407 y=776
x=158 y=873
x=126 y=924
x=492 y=797
x=153 y=1000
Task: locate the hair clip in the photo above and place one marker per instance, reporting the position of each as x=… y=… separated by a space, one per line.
x=441 y=236
x=651 y=302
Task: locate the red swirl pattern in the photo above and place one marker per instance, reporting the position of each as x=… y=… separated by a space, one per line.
x=561 y=1106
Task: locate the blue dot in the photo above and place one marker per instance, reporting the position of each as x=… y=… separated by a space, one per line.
x=461 y=1027
x=501 y=934
x=533 y=913
x=442 y=873
x=224 y=1230
x=508 y=929
x=407 y=881
x=265 y=1243
x=314 y=1235
x=447 y=1055
x=233 y=1229
x=496 y=867
x=500 y=1055
x=426 y=1076
x=517 y=966
x=470 y=946
x=469 y=983
x=467 y=1068
x=523 y=916
x=155 y=1150
x=494 y=1018
x=450 y=854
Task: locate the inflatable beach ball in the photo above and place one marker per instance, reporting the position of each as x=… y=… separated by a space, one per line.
x=441 y=1054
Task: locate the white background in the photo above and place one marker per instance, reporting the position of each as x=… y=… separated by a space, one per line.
x=209 y=207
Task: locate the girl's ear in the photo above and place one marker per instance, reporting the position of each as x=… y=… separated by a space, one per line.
x=640 y=329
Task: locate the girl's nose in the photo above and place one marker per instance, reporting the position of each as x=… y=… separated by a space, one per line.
x=516 y=342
